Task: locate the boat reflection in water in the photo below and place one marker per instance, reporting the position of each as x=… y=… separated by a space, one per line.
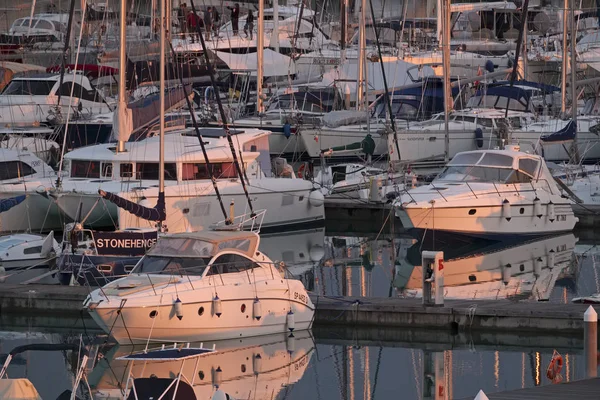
x=498 y=270
x=248 y=368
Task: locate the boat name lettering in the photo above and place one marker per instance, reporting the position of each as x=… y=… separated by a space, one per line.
x=36 y=163
x=125 y=243
x=302 y=297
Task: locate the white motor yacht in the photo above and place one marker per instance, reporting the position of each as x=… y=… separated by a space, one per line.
x=32 y=99
x=489 y=193
x=191 y=202
x=201 y=286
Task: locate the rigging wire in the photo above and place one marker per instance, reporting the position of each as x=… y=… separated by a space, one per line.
x=208 y=165
x=211 y=73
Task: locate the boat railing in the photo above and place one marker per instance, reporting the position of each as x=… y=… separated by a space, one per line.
x=252 y=220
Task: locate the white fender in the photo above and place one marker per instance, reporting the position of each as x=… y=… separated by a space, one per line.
x=217 y=306
x=506 y=273
x=257 y=309
x=551 y=212
x=257 y=364
x=178 y=305
x=537 y=266
x=291 y=321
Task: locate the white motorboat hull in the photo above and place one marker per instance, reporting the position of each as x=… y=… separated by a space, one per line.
x=233 y=323
x=488 y=219
x=16 y=272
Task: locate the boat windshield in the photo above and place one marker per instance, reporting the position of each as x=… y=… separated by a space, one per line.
x=182 y=247
x=488 y=167
x=171 y=265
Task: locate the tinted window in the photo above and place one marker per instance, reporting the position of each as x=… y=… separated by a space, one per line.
x=171 y=265
x=107 y=170
x=150 y=171
x=78 y=91
x=193 y=171
x=42 y=24
x=126 y=170
x=14 y=169
x=33 y=250
x=28 y=88
x=85 y=169
x=230 y=263
x=528 y=165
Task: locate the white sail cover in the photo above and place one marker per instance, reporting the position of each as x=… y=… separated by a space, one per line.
x=274 y=64
x=18 y=389
x=335 y=119
x=395 y=72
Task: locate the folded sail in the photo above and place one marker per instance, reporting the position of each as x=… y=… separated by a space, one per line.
x=7 y=204
x=145 y=112
x=157 y=213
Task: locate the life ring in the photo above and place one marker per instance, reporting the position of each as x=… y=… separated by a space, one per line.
x=300 y=173
x=556 y=365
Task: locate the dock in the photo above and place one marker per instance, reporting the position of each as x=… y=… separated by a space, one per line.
x=455 y=316
x=586 y=389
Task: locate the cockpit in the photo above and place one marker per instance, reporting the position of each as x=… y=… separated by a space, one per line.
x=194 y=253
x=490 y=167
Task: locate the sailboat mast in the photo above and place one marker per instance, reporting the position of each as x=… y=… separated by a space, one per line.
x=122 y=104
x=361 y=57
x=563 y=91
x=445 y=9
x=260 y=48
x=161 y=159
x=575 y=148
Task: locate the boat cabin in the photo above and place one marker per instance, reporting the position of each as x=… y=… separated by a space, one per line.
x=184 y=160
x=201 y=253
x=41 y=28
x=492 y=166
x=18 y=165
x=48 y=84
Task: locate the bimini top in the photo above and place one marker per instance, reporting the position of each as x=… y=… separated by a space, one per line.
x=205 y=244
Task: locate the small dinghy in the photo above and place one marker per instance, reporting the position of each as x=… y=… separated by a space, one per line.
x=593 y=299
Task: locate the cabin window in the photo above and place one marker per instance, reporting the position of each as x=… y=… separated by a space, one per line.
x=42 y=24
x=466 y=158
x=150 y=171
x=194 y=171
x=28 y=88
x=231 y=263
x=78 y=91
x=528 y=165
x=515 y=122
x=85 y=169
x=126 y=170
x=487 y=122
x=14 y=169
x=171 y=265
x=107 y=169
x=33 y=250
x=495 y=159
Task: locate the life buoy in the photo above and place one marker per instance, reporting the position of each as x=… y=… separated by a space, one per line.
x=556 y=365
x=301 y=171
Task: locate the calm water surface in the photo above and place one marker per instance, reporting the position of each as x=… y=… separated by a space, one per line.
x=368 y=364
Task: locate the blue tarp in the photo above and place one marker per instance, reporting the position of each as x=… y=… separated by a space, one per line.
x=7 y=204
x=566 y=134
x=158 y=213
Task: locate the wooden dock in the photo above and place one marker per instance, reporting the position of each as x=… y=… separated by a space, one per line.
x=587 y=389
x=456 y=316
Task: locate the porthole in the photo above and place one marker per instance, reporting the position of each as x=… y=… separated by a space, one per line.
x=472 y=211
x=201 y=311
x=201 y=375
x=521 y=210
x=472 y=278
x=243 y=308
x=153 y=313
x=521 y=267
x=243 y=368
